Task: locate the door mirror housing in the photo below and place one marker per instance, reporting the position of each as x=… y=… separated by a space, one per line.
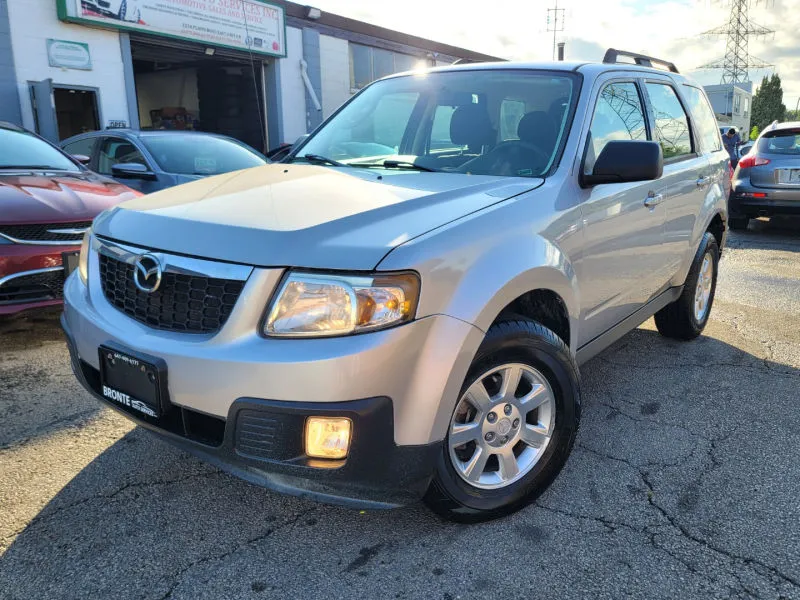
x=132 y=171
x=626 y=160
x=82 y=158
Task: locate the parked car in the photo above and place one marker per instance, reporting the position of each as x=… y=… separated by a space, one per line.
x=371 y=328
x=47 y=202
x=767 y=180
x=153 y=160
x=745 y=148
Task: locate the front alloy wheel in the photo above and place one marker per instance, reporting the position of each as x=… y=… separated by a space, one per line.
x=501 y=426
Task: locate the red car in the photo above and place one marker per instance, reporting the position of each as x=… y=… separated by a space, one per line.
x=47 y=201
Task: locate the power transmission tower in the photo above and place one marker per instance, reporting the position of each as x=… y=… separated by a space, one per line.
x=555 y=23
x=738 y=30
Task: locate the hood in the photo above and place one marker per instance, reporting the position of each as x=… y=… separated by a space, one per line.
x=57 y=198
x=303 y=216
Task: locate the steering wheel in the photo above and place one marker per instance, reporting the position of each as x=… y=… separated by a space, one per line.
x=507 y=157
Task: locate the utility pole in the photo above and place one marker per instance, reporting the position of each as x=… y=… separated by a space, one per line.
x=555 y=23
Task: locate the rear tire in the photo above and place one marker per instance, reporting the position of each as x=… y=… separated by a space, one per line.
x=526 y=447
x=738 y=223
x=686 y=318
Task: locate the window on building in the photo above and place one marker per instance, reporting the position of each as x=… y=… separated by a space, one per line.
x=703 y=117
x=671 y=124
x=115 y=151
x=618 y=115
x=368 y=64
x=746 y=107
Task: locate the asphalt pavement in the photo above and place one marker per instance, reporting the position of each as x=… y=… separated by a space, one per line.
x=684 y=482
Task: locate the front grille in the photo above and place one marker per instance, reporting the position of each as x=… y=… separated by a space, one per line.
x=269 y=436
x=36 y=287
x=40 y=232
x=188 y=303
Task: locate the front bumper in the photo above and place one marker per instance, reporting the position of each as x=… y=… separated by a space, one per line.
x=777 y=201
x=399 y=386
x=23 y=259
x=261 y=442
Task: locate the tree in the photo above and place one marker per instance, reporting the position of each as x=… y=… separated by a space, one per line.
x=754 y=132
x=768 y=102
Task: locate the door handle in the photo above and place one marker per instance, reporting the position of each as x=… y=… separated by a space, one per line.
x=653 y=199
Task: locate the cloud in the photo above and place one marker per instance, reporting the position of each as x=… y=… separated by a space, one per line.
x=665 y=28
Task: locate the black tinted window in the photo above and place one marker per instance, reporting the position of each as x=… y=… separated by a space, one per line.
x=618 y=115
x=20 y=149
x=783 y=142
x=671 y=124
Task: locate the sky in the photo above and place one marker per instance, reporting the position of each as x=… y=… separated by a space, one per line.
x=669 y=29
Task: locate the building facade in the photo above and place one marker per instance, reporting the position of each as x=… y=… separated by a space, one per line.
x=263 y=72
x=732 y=105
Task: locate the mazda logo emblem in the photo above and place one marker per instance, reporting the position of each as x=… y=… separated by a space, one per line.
x=147 y=273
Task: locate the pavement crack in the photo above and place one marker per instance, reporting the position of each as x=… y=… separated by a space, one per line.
x=178 y=576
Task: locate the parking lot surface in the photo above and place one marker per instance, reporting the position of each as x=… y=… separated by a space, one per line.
x=684 y=482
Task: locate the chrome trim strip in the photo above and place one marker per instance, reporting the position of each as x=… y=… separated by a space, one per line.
x=173 y=264
x=73 y=231
x=7 y=278
x=41 y=242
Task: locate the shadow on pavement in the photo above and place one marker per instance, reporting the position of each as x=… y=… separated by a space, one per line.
x=145 y=520
x=776 y=233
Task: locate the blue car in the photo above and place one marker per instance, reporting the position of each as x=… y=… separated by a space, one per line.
x=149 y=161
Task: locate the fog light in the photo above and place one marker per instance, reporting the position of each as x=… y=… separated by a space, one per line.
x=328 y=437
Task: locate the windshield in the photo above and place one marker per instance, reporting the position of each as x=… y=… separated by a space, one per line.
x=782 y=142
x=492 y=122
x=23 y=150
x=192 y=154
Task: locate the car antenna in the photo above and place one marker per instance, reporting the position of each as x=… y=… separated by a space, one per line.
x=249 y=43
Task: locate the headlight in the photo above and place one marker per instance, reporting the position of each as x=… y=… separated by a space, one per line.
x=83 y=257
x=315 y=305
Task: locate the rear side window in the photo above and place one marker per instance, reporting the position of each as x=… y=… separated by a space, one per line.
x=703 y=118
x=781 y=142
x=618 y=115
x=671 y=127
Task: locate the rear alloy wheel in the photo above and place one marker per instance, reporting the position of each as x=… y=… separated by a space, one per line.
x=686 y=318
x=513 y=425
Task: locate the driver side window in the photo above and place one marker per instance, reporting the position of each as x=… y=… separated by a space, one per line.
x=618 y=115
x=117 y=150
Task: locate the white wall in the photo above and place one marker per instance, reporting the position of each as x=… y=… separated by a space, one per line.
x=32 y=22
x=293 y=94
x=166 y=88
x=335 y=58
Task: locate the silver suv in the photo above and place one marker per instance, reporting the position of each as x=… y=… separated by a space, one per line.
x=399 y=309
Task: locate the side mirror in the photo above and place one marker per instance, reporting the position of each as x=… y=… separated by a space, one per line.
x=82 y=158
x=132 y=171
x=625 y=161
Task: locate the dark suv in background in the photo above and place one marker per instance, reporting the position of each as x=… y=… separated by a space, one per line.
x=767 y=180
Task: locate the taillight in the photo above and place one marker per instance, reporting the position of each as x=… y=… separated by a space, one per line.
x=751 y=160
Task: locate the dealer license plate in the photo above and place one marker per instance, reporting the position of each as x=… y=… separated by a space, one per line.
x=131 y=382
x=791 y=176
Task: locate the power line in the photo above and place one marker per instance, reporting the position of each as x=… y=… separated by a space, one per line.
x=555 y=23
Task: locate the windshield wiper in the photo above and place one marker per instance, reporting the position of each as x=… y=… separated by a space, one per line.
x=320 y=160
x=396 y=164
x=32 y=167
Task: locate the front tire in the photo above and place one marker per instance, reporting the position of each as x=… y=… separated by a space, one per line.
x=686 y=318
x=513 y=426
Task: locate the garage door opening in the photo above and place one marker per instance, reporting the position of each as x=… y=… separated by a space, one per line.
x=186 y=86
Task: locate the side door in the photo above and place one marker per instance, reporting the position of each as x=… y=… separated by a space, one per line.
x=622 y=264
x=687 y=169
x=44 y=109
x=114 y=150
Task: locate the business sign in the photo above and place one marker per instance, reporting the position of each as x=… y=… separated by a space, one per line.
x=252 y=25
x=69 y=55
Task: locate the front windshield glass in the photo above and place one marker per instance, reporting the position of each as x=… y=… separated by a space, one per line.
x=197 y=154
x=491 y=122
x=23 y=150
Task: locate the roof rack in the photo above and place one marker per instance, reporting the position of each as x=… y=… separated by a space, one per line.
x=612 y=55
